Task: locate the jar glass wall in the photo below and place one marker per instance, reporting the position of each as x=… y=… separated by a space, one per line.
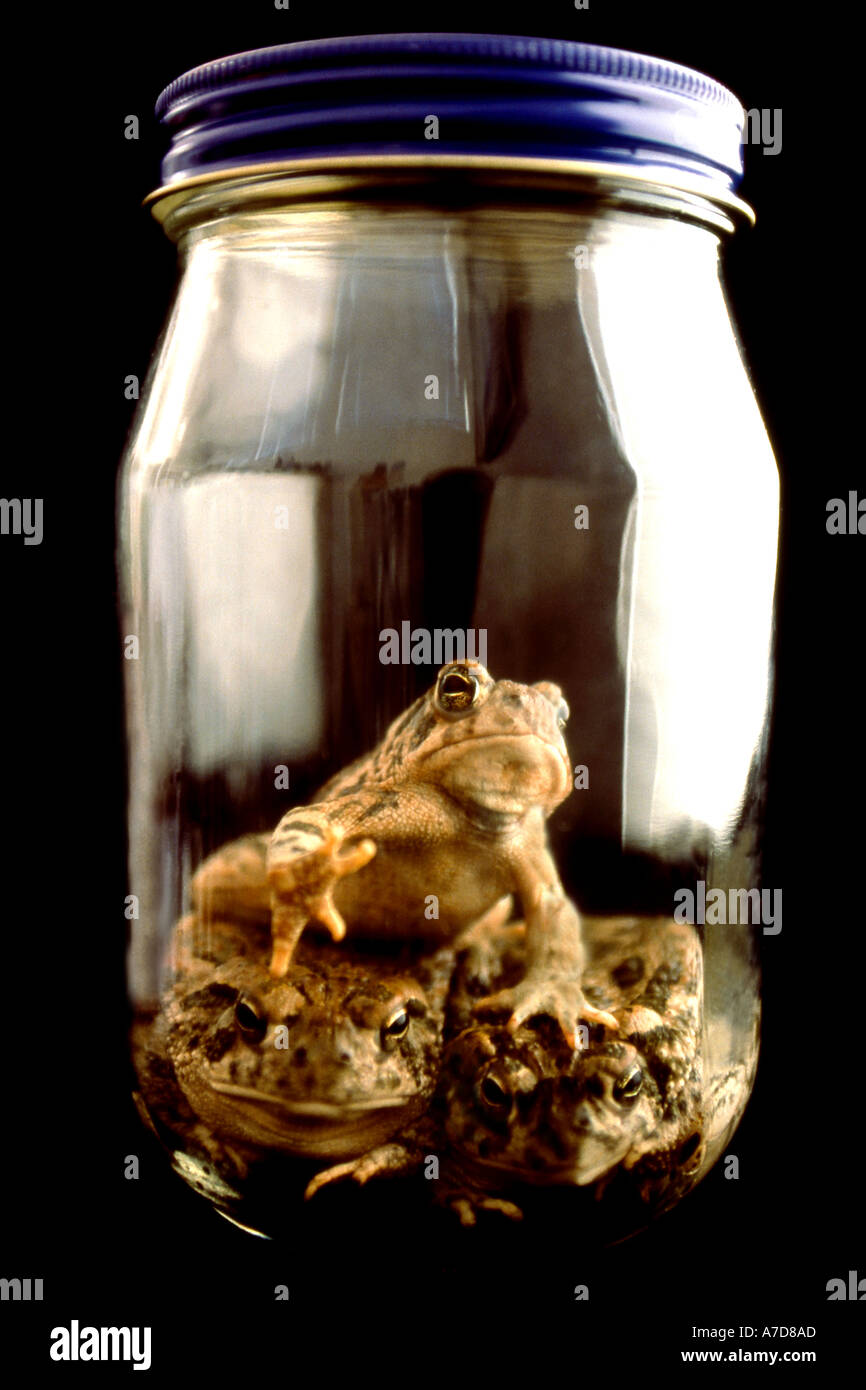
x=390 y=429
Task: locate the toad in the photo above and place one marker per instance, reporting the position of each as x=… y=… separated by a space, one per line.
x=449 y=810
x=519 y=1108
x=326 y=1061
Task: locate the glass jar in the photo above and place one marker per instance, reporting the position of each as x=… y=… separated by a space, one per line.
x=447 y=451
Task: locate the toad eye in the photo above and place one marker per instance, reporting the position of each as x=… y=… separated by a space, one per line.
x=251 y=1021
x=494 y=1095
x=629 y=1085
x=458 y=690
x=396 y=1028
x=563 y=713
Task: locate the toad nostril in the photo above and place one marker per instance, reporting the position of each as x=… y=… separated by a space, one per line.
x=343 y=1057
x=300 y=1054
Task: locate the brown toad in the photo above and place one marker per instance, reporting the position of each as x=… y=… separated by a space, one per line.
x=522 y=1108
x=325 y=1062
x=423 y=835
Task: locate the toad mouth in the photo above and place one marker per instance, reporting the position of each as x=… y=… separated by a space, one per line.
x=312 y=1109
x=500 y=735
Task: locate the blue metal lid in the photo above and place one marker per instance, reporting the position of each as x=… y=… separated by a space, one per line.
x=491 y=95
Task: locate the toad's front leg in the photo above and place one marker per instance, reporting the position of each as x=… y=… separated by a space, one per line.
x=306 y=860
x=386 y=1160
x=401 y=1156
x=554 y=966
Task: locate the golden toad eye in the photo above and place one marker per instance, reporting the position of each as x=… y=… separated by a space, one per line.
x=396 y=1028
x=457 y=691
x=251 y=1021
x=563 y=713
x=629 y=1086
x=494 y=1095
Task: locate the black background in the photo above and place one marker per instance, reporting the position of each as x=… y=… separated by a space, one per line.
x=89 y=275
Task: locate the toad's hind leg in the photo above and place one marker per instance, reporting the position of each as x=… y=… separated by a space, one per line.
x=305 y=862
x=232 y=884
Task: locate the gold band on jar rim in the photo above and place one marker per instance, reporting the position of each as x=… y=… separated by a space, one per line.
x=331 y=177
